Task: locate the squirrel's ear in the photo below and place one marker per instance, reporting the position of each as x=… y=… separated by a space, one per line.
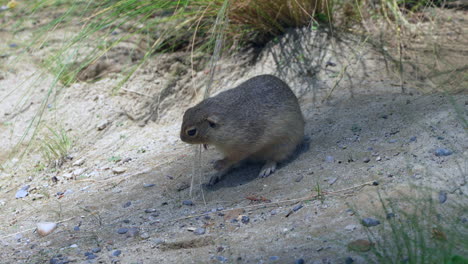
x=213 y=120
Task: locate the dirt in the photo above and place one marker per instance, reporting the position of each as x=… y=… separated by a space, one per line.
x=369 y=131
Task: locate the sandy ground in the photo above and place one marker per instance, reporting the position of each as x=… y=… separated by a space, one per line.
x=364 y=137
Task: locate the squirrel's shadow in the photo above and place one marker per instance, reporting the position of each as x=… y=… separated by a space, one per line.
x=248 y=171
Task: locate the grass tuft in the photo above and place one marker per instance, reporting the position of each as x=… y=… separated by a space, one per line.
x=55 y=147
x=417 y=230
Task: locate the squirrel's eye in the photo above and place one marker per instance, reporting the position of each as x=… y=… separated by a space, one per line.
x=191 y=132
x=212 y=124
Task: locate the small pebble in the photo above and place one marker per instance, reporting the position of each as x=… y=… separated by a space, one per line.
x=127 y=204
x=151 y=210
x=441 y=152
x=299 y=178
x=76 y=228
x=122 y=230
x=299 y=261
x=391 y=141
x=119 y=170
x=329 y=159
x=442 y=197
x=390 y=215
x=133 y=232
x=13 y=45
x=350 y=227
x=366 y=160
x=187 y=202
x=349 y=260
x=297 y=207
x=102 y=125
x=116 y=253
x=79 y=162
x=96 y=250
x=90 y=256
x=332 y=181
x=378 y=158
x=413 y=139
x=145 y=236
x=22 y=192
x=148 y=185
x=221 y=259
x=199 y=231
x=158 y=241
x=45 y=228
x=245 y=219
x=368 y=222
x=274 y=258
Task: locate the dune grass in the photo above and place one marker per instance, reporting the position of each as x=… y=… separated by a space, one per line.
x=416 y=229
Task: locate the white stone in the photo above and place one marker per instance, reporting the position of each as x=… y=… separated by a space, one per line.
x=45 y=228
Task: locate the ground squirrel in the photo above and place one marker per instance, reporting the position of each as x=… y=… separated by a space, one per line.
x=259 y=120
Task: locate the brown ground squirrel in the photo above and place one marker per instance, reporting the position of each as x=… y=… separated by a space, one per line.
x=259 y=120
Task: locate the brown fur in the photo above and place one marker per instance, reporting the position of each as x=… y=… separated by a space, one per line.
x=258 y=120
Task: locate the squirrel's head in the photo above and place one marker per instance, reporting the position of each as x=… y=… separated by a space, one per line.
x=199 y=126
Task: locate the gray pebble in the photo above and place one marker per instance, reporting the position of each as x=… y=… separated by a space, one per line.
x=274 y=258
x=368 y=222
x=299 y=178
x=145 y=236
x=297 y=207
x=158 y=241
x=133 y=232
x=221 y=259
x=122 y=230
x=349 y=260
x=90 y=255
x=150 y=210
x=116 y=253
x=127 y=204
x=76 y=228
x=148 y=185
x=391 y=141
x=22 y=192
x=199 y=231
x=413 y=139
x=442 y=197
x=329 y=159
x=274 y=211
x=187 y=202
x=299 y=261
x=245 y=219
x=331 y=181
x=390 y=215
x=366 y=160
x=442 y=152
x=96 y=250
